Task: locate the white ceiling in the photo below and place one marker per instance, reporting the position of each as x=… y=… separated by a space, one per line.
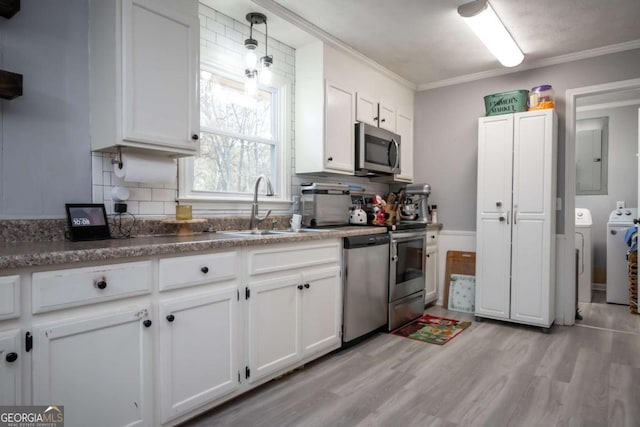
x=426 y=43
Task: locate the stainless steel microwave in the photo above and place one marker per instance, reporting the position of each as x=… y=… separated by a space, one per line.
x=377 y=151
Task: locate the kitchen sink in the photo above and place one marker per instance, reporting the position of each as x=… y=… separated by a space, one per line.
x=250 y=233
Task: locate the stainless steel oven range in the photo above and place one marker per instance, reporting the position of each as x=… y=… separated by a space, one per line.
x=406 y=274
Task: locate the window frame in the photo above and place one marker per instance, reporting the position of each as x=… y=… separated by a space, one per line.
x=237 y=202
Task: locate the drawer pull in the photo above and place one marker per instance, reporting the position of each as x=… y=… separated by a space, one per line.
x=205 y=270
x=11 y=357
x=147 y=323
x=101 y=284
x=171 y=318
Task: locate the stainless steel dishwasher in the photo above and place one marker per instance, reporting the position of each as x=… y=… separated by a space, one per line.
x=366 y=289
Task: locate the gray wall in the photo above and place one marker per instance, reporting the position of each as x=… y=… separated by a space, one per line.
x=446 y=128
x=44 y=137
x=622 y=176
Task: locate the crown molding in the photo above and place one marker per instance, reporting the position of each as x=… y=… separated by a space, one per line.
x=325 y=37
x=608 y=105
x=562 y=59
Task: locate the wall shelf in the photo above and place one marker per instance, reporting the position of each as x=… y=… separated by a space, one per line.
x=8 y=8
x=10 y=85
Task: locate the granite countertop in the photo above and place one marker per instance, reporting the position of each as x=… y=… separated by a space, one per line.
x=36 y=254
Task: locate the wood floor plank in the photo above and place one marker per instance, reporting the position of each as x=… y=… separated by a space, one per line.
x=494 y=373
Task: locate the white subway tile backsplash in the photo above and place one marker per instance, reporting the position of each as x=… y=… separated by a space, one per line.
x=106 y=178
x=225 y=42
x=141 y=194
x=151 y=208
x=224 y=19
x=163 y=195
x=170 y=208
x=234 y=35
x=133 y=207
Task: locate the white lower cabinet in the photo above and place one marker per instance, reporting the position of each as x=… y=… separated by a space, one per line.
x=198 y=349
x=273 y=324
x=321 y=310
x=10 y=367
x=98 y=367
x=292 y=317
x=196 y=331
x=431 y=278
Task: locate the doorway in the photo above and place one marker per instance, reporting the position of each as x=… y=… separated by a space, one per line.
x=615 y=100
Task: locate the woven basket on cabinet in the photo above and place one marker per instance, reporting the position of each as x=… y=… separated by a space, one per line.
x=633 y=282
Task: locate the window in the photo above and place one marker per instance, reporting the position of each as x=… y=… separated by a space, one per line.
x=242 y=136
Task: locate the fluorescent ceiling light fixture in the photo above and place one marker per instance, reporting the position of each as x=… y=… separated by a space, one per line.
x=482 y=19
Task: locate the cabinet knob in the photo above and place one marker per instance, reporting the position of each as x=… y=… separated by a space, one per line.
x=11 y=357
x=375 y=119
x=428 y=256
x=171 y=318
x=147 y=323
x=330 y=159
x=195 y=137
x=383 y=120
x=306 y=285
x=498 y=204
x=101 y=284
x=501 y=218
x=300 y=287
x=205 y=269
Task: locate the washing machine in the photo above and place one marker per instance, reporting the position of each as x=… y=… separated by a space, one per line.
x=617 y=281
x=584 y=222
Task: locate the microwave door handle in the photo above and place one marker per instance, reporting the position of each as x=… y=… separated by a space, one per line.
x=396 y=163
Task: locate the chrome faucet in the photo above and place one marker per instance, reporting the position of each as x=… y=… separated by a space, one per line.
x=255 y=219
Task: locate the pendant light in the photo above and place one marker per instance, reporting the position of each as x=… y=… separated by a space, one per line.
x=252 y=73
x=484 y=22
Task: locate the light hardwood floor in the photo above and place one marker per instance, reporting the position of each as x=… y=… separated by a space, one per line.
x=493 y=374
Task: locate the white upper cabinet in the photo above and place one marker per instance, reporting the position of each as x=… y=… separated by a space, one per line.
x=333 y=91
x=144 y=64
x=375 y=113
x=404 y=128
x=325 y=116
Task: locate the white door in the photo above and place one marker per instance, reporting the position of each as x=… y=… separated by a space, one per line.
x=10 y=368
x=533 y=217
x=274 y=327
x=321 y=310
x=387 y=117
x=199 y=350
x=367 y=109
x=160 y=66
x=339 y=129
x=493 y=229
x=99 y=368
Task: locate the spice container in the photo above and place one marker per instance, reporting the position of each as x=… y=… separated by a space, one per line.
x=541 y=97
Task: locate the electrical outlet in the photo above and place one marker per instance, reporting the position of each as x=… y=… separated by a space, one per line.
x=620 y=204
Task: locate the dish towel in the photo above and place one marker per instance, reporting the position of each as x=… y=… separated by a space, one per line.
x=631 y=239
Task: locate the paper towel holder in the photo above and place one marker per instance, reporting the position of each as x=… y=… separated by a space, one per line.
x=118 y=159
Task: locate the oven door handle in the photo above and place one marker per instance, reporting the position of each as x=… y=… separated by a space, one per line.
x=394 y=251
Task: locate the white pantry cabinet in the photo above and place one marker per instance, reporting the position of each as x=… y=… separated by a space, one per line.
x=515 y=264
x=144 y=65
x=99 y=367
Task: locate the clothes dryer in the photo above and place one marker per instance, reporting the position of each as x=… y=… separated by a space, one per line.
x=617 y=281
x=584 y=222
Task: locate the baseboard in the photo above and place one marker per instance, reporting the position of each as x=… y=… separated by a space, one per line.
x=599 y=286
